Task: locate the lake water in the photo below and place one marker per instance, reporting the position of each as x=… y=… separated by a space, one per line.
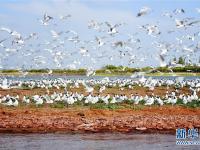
x=97 y=141
x=40 y=77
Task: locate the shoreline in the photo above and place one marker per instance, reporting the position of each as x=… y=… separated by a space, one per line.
x=164 y=120
x=184 y=74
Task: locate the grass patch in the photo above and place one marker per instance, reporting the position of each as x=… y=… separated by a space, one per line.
x=193 y=104
x=116 y=106
x=58 y=105
x=137 y=107
x=104 y=106
x=79 y=103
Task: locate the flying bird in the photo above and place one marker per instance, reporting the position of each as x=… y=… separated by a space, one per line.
x=143 y=11
x=179 y=11
x=112 y=28
x=99 y=41
x=46 y=19
x=56 y=34
x=64 y=17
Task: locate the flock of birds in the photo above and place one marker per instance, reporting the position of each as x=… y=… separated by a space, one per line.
x=88 y=96
x=108 y=44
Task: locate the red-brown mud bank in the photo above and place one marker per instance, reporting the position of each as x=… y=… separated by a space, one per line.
x=164 y=119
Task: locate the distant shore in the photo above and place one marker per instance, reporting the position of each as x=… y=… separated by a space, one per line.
x=110 y=70
x=184 y=74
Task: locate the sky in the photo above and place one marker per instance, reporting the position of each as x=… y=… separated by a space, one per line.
x=24 y=17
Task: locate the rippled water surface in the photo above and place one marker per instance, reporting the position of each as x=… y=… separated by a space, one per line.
x=40 y=77
x=103 y=141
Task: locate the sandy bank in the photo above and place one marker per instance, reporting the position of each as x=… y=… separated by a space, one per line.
x=164 y=119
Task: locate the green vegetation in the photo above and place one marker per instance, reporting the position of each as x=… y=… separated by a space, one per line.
x=104 y=106
x=58 y=105
x=38 y=71
x=111 y=70
x=9 y=71
x=100 y=105
x=116 y=106
x=181 y=61
x=193 y=69
x=70 y=71
x=194 y=104
x=124 y=105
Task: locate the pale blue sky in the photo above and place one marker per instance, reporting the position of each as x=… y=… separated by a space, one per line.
x=23 y=15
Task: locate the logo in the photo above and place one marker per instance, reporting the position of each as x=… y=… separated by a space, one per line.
x=187 y=137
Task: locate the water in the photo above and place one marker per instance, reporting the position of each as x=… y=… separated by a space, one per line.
x=97 y=141
x=40 y=77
